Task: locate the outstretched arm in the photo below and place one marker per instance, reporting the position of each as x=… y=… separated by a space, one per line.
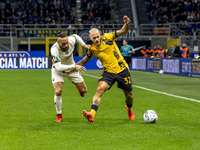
x=124 y=29
x=60 y=67
x=80 y=41
x=83 y=61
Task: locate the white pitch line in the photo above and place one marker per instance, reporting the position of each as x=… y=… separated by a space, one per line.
x=164 y=93
x=90 y=75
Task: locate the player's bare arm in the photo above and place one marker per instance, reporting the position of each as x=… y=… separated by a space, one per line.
x=80 y=68
x=77 y=68
x=87 y=46
x=83 y=61
x=68 y=71
x=125 y=28
x=131 y=52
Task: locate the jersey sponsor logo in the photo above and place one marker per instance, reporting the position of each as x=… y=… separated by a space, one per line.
x=116 y=54
x=122 y=65
x=99 y=64
x=109 y=42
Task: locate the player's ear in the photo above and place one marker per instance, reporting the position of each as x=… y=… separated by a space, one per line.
x=58 y=40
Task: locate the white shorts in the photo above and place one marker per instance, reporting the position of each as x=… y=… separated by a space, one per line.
x=73 y=76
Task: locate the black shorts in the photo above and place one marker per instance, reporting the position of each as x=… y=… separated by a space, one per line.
x=123 y=79
x=128 y=60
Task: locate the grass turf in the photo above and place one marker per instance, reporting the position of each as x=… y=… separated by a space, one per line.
x=27 y=113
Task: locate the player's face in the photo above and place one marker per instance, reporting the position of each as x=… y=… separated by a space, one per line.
x=95 y=37
x=63 y=44
x=124 y=42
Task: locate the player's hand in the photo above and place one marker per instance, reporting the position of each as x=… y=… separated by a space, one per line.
x=80 y=68
x=87 y=46
x=68 y=71
x=126 y=20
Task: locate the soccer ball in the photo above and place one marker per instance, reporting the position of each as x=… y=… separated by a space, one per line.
x=150 y=116
x=161 y=72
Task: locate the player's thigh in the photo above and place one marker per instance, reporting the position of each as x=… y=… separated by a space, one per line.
x=124 y=81
x=102 y=86
x=106 y=80
x=56 y=76
x=75 y=77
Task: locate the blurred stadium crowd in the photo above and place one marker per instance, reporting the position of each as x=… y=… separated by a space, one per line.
x=93 y=11
x=165 y=11
x=159 y=51
x=183 y=12
x=37 y=12
x=98 y=11
x=56 y=11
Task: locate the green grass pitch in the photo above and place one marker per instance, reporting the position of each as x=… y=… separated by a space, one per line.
x=27 y=113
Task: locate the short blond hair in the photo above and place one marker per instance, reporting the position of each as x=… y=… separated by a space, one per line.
x=94 y=30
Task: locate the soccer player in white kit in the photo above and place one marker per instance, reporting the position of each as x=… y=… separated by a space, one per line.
x=64 y=66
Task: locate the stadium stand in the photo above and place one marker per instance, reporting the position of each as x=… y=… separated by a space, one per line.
x=184 y=13
x=98 y=11
x=38 y=12
x=56 y=12
x=164 y=18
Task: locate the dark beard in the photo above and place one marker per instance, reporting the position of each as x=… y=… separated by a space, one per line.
x=65 y=50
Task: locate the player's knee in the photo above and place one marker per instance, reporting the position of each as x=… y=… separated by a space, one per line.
x=58 y=92
x=100 y=90
x=129 y=96
x=84 y=90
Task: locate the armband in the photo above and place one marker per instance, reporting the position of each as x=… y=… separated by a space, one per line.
x=55 y=60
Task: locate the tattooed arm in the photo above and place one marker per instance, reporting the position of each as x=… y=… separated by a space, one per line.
x=124 y=29
x=83 y=61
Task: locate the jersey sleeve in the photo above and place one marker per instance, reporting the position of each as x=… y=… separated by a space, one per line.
x=61 y=67
x=55 y=55
x=78 y=39
x=72 y=39
x=89 y=53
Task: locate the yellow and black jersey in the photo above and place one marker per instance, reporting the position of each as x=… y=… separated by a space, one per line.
x=109 y=54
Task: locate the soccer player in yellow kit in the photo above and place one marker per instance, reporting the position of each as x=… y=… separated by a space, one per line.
x=115 y=68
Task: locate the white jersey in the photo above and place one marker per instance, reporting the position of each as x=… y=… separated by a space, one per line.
x=66 y=58
x=63 y=61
